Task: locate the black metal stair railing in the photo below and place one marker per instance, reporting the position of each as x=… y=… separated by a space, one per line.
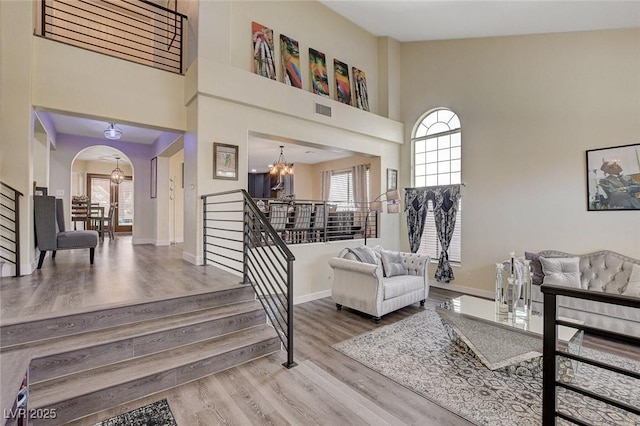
x=10 y=226
x=136 y=30
x=238 y=237
x=550 y=382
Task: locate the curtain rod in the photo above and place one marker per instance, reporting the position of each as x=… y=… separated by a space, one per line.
x=435 y=186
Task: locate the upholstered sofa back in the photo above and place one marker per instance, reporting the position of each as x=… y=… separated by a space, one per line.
x=604 y=270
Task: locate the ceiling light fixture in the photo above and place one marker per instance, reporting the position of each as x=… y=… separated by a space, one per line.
x=113 y=132
x=117 y=175
x=281 y=167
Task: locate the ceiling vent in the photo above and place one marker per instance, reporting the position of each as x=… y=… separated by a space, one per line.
x=323 y=110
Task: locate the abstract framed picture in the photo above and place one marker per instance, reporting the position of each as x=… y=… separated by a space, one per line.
x=343 y=85
x=613 y=178
x=318 y=69
x=225 y=161
x=360 y=89
x=264 y=59
x=290 y=60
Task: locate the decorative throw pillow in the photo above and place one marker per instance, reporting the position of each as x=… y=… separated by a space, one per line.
x=392 y=263
x=633 y=287
x=536 y=267
x=563 y=271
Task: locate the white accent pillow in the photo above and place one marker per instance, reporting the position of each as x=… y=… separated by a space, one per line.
x=563 y=271
x=633 y=287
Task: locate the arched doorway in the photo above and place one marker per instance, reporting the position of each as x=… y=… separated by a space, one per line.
x=91 y=176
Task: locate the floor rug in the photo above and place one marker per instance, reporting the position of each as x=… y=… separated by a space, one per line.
x=155 y=414
x=418 y=354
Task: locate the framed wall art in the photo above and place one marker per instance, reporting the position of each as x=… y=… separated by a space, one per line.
x=392 y=179
x=318 y=69
x=264 y=58
x=343 y=86
x=154 y=177
x=290 y=59
x=613 y=178
x=225 y=161
x=360 y=89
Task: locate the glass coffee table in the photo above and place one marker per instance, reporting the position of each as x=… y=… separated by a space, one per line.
x=500 y=342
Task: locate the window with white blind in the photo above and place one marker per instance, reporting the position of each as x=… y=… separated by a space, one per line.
x=437 y=160
x=341 y=189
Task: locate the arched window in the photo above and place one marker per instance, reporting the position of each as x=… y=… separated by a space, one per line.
x=437 y=160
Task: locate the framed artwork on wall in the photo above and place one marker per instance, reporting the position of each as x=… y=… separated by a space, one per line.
x=225 y=161
x=613 y=178
x=392 y=179
x=290 y=59
x=318 y=69
x=360 y=89
x=264 y=57
x=343 y=85
x=154 y=177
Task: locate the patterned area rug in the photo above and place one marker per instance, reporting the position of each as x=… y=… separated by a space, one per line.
x=156 y=414
x=418 y=354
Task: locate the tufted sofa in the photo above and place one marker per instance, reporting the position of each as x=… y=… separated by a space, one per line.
x=378 y=286
x=604 y=271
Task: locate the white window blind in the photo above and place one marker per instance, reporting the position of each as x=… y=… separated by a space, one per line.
x=342 y=188
x=429 y=243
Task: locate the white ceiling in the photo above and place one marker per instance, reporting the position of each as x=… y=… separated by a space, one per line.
x=420 y=20
x=404 y=21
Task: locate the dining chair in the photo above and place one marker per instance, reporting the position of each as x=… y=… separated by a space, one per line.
x=319 y=222
x=107 y=222
x=301 y=223
x=278 y=217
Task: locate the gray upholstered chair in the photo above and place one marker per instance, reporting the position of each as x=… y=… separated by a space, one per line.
x=50 y=230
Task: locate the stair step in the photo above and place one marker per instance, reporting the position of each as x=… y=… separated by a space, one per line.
x=47 y=326
x=70 y=354
x=79 y=394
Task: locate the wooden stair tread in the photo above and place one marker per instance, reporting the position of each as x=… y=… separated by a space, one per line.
x=63 y=388
x=115 y=333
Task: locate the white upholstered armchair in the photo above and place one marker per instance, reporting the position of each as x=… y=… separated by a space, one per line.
x=377 y=281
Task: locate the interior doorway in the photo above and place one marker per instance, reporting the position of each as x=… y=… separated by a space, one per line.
x=104 y=192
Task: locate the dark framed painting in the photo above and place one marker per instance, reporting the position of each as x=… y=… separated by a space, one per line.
x=318 y=69
x=343 y=86
x=613 y=178
x=392 y=179
x=225 y=161
x=154 y=177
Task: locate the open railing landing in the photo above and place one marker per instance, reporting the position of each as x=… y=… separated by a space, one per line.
x=136 y=30
x=238 y=237
x=550 y=381
x=10 y=227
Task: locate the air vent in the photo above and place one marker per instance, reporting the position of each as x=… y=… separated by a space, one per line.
x=323 y=110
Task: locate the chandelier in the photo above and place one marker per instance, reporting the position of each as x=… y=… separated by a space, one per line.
x=117 y=175
x=113 y=132
x=281 y=167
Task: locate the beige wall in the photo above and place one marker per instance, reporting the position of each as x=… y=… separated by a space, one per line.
x=343 y=164
x=530 y=107
x=176 y=205
x=303 y=182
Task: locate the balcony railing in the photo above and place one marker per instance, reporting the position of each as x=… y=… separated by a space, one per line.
x=135 y=30
x=10 y=227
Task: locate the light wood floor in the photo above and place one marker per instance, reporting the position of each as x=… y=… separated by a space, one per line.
x=260 y=392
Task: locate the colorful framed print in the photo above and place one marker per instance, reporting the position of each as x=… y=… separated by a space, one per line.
x=290 y=59
x=360 y=89
x=613 y=178
x=264 y=59
x=318 y=69
x=343 y=86
x=225 y=161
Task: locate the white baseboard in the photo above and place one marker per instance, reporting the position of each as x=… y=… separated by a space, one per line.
x=311 y=297
x=178 y=240
x=196 y=260
x=465 y=290
x=162 y=243
x=143 y=241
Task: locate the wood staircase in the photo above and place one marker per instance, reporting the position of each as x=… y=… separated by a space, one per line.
x=92 y=360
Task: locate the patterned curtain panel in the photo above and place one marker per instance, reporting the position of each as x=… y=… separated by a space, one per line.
x=415 y=201
x=445 y=201
x=445 y=211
